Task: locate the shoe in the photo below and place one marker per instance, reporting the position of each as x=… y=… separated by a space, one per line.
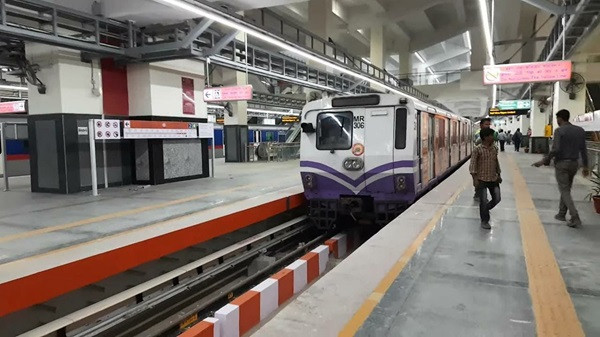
x=560 y=217
x=574 y=222
x=486 y=225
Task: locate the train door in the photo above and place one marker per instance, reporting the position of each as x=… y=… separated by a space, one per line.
x=419 y=145
x=448 y=128
x=379 y=146
x=425 y=153
x=432 y=147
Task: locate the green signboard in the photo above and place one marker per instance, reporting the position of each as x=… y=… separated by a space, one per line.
x=514 y=105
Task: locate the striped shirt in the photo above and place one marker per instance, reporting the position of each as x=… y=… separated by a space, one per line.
x=484 y=163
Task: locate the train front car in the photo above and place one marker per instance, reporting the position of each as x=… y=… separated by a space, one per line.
x=358 y=158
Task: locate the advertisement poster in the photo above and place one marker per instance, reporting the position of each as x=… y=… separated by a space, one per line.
x=187 y=87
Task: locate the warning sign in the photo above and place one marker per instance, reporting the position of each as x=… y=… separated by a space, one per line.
x=107 y=129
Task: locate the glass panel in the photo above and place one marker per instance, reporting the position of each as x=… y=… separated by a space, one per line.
x=334 y=131
x=401 y=128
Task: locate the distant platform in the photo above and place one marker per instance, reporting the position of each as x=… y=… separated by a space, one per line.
x=51 y=244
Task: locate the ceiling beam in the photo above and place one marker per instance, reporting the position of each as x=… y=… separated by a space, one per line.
x=461 y=11
x=446 y=56
x=525 y=40
x=551 y=7
x=429 y=39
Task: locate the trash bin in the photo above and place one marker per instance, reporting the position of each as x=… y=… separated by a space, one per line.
x=540 y=145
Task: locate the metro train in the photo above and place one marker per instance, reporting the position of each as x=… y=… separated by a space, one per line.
x=370 y=156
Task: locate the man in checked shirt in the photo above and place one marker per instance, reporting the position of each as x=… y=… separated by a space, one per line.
x=485 y=170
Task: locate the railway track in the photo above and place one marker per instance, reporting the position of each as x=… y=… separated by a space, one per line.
x=167 y=304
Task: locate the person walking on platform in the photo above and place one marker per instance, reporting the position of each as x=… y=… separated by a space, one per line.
x=484 y=123
x=517 y=137
x=501 y=139
x=567 y=147
x=485 y=170
x=509 y=137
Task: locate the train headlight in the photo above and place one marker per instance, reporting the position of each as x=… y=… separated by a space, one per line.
x=353 y=164
x=309 y=181
x=400 y=183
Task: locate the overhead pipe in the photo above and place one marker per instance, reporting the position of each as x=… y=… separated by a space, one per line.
x=551 y=7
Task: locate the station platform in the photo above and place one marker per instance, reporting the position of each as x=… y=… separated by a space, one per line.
x=434 y=272
x=52 y=244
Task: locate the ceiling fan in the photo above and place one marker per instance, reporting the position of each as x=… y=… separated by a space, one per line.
x=574 y=85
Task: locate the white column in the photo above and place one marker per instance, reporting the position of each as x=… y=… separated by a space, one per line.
x=68 y=82
x=538 y=120
x=377 y=50
x=561 y=100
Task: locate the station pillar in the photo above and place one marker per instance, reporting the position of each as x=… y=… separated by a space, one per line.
x=377 y=50
x=235 y=134
x=58 y=118
x=168 y=91
x=575 y=103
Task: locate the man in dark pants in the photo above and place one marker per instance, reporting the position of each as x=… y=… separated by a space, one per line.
x=517 y=137
x=485 y=170
x=484 y=123
x=568 y=145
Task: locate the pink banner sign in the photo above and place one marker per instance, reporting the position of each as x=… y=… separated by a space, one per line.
x=187 y=88
x=13 y=107
x=527 y=72
x=221 y=94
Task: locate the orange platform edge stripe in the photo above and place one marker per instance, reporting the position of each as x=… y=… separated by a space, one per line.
x=37 y=288
x=249 y=306
x=202 y=329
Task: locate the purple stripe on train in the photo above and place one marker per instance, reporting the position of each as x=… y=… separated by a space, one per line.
x=363 y=177
x=381 y=189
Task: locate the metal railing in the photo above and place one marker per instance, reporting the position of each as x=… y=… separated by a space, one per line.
x=438 y=77
x=272 y=152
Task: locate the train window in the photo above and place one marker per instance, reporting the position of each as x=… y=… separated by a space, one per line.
x=334 y=131
x=401 y=128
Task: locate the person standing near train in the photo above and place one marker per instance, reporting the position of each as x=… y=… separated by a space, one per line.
x=485 y=170
x=484 y=123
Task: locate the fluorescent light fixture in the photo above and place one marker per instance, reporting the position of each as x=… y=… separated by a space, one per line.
x=430 y=71
x=420 y=57
x=366 y=60
x=271 y=40
x=12 y=87
x=468 y=39
x=485 y=19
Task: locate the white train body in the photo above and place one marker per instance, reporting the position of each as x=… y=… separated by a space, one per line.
x=372 y=155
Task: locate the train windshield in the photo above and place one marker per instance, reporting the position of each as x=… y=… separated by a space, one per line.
x=334 y=130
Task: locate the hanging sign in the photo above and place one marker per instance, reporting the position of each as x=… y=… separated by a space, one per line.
x=527 y=72
x=13 y=107
x=223 y=94
x=514 y=105
x=495 y=112
x=107 y=129
x=159 y=130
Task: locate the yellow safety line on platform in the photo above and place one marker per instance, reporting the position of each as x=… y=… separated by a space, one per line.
x=120 y=214
x=553 y=309
x=371 y=302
